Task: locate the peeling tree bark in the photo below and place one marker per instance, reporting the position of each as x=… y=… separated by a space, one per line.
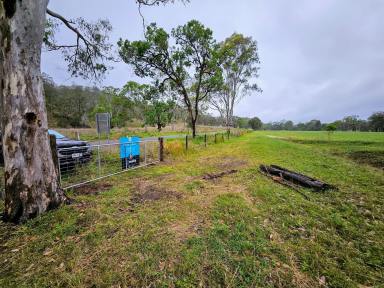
x=31 y=180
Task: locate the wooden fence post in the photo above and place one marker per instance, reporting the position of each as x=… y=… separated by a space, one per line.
x=161 y=149
x=215 y=138
x=205 y=140
x=186 y=142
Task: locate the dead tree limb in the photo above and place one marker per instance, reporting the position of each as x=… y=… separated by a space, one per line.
x=296 y=178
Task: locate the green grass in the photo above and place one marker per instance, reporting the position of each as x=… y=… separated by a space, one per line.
x=242 y=230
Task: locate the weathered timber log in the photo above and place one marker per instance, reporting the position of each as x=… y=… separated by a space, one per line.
x=295 y=178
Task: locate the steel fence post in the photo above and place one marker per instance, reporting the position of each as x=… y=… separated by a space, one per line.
x=145 y=152
x=130 y=152
x=98 y=161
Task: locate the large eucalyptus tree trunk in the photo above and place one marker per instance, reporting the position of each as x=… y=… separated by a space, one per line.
x=31 y=179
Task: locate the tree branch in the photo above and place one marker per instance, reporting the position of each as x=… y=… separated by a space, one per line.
x=88 y=56
x=157 y=2
x=68 y=24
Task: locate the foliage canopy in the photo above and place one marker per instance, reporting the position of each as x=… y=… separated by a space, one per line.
x=189 y=64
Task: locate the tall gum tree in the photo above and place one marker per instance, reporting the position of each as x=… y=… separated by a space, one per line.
x=186 y=60
x=31 y=180
x=240 y=64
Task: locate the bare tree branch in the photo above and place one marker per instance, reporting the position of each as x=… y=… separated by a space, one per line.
x=157 y=2
x=68 y=24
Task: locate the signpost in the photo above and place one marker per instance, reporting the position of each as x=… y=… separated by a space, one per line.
x=103 y=124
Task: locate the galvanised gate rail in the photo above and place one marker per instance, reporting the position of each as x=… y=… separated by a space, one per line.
x=97 y=161
x=85 y=164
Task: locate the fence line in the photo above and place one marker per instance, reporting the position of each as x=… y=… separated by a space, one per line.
x=82 y=165
x=107 y=162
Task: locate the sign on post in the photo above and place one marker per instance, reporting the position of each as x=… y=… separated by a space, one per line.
x=103 y=124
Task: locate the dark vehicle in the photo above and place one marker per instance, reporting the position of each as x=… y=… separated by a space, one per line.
x=71 y=152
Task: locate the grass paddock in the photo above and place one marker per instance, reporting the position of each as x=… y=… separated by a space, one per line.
x=165 y=226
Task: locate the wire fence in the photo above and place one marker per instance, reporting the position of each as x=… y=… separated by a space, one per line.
x=188 y=143
x=82 y=165
x=79 y=165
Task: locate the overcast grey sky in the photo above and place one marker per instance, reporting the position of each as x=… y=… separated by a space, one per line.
x=320 y=59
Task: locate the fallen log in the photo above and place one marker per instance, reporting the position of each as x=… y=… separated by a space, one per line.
x=295 y=187
x=295 y=178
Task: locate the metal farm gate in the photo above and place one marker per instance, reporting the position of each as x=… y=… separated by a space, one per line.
x=85 y=164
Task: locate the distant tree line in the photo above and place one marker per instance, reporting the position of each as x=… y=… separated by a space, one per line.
x=375 y=123
x=76 y=106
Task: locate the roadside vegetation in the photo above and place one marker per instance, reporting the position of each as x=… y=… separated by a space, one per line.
x=167 y=226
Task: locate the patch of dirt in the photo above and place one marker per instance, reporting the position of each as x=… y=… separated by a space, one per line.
x=92 y=188
x=183 y=230
x=231 y=163
x=373 y=158
x=211 y=176
x=227 y=185
x=225 y=162
x=146 y=191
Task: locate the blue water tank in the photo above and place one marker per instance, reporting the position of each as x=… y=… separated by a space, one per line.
x=129 y=147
